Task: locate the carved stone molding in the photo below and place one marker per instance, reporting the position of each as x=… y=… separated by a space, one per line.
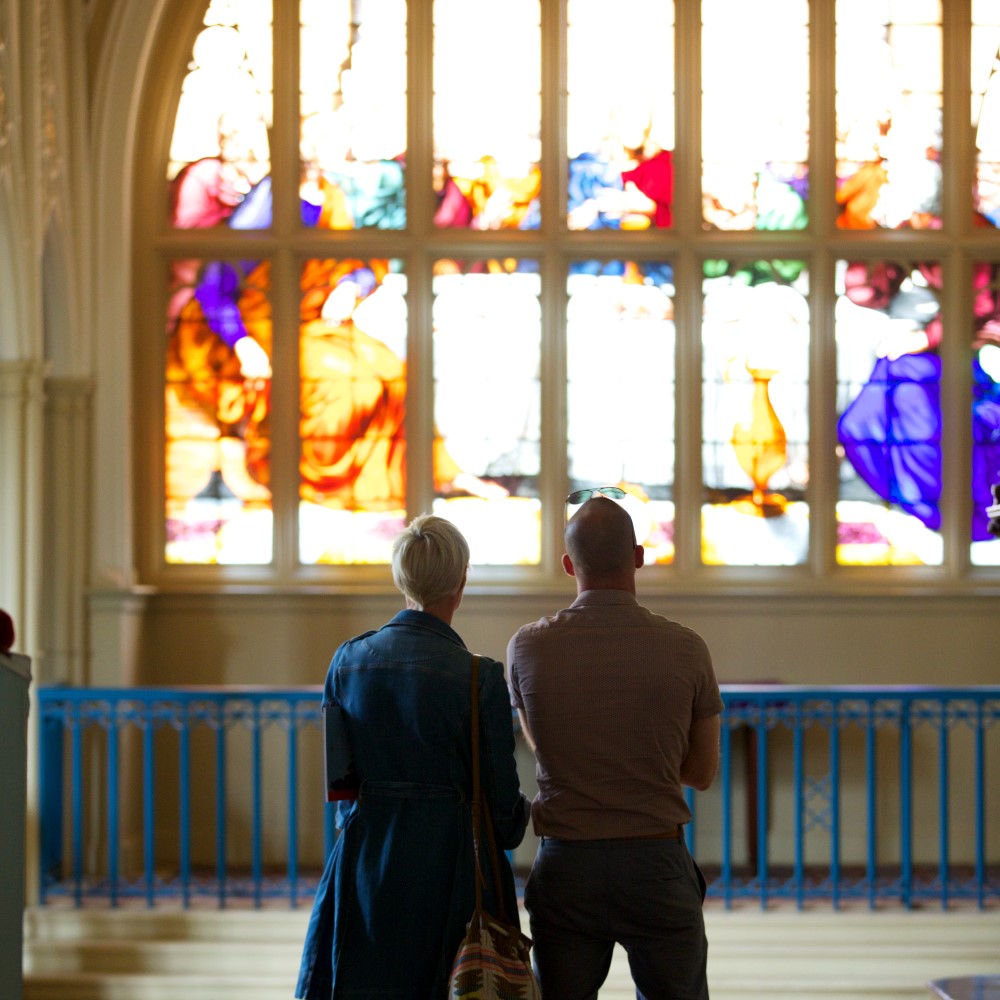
x=50 y=159
x=6 y=125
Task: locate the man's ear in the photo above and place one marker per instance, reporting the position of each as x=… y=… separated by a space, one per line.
x=640 y=557
x=567 y=565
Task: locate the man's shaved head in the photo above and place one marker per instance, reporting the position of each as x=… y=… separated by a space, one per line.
x=600 y=541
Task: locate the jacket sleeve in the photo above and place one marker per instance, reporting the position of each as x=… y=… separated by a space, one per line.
x=501 y=786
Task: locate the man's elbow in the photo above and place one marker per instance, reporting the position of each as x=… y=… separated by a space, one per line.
x=699 y=775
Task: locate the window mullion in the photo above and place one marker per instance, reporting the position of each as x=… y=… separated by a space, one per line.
x=420 y=263
x=688 y=298
x=554 y=268
x=285 y=265
x=823 y=485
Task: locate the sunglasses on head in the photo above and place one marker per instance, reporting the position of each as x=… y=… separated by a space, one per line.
x=582 y=496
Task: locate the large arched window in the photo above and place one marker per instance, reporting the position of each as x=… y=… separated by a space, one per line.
x=465 y=257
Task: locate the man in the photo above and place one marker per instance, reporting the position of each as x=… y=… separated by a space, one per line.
x=621 y=707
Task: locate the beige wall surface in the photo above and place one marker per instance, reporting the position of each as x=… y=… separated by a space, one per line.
x=288 y=639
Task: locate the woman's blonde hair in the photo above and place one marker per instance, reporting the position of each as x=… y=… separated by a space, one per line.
x=429 y=559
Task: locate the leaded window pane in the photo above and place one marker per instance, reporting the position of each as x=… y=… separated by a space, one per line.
x=889 y=418
x=219 y=151
x=755 y=421
x=353 y=390
x=487 y=114
x=755 y=115
x=352 y=107
x=620 y=121
x=888 y=107
x=487 y=399
x=620 y=347
x=217 y=409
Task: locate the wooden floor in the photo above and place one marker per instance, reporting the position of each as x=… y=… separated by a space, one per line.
x=782 y=954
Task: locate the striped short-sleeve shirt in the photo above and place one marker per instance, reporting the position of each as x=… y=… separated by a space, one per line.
x=609 y=690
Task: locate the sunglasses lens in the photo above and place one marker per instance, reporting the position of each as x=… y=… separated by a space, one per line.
x=582 y=496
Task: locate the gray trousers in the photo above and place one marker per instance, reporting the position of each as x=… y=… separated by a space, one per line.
x=583 y=897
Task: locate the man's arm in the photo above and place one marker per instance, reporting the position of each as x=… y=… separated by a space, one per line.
x=523 y=716
x=702 y=761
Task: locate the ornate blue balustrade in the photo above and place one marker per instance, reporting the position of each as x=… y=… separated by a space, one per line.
x=209 y=796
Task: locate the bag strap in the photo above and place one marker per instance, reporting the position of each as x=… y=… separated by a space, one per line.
x=480 y=810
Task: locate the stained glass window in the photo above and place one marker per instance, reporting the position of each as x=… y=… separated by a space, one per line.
x=218 y=443
x=889 y=413
x=889 y=118
x=219 y=151
x=755 y=343
x=352 y=80
x=620 y=122
x=352 y=428
x=620 y=349
x=985 y=409
x=487 y=114
x=487 y=428
x=755 y=149
x=985 y=82
x=454 y=256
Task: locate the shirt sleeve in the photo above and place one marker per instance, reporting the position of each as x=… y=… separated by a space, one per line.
x=708 y=699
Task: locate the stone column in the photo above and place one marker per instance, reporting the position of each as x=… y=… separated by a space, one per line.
x=66 y=513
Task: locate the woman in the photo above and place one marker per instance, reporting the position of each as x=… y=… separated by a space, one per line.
x=398 y=889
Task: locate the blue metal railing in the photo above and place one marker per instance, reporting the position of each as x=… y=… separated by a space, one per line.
x=213 y=795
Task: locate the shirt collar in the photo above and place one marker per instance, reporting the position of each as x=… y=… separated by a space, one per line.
x=604 y=597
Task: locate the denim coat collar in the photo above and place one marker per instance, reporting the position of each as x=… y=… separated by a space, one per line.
x=421 y=619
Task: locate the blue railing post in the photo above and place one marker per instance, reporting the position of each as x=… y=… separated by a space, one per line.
x=148 y=803
x=763 y=802
x=184 y=817
x=256 y=830
x=980 y=808
x=798 y=784
x=905 y=804
x=51 y=788
x=293 y=808
x=943 y=826
x=834 y=805
x=220 y=801
x=727 y=813
x=113 y=800
x=76 y=768
x=871 y=806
